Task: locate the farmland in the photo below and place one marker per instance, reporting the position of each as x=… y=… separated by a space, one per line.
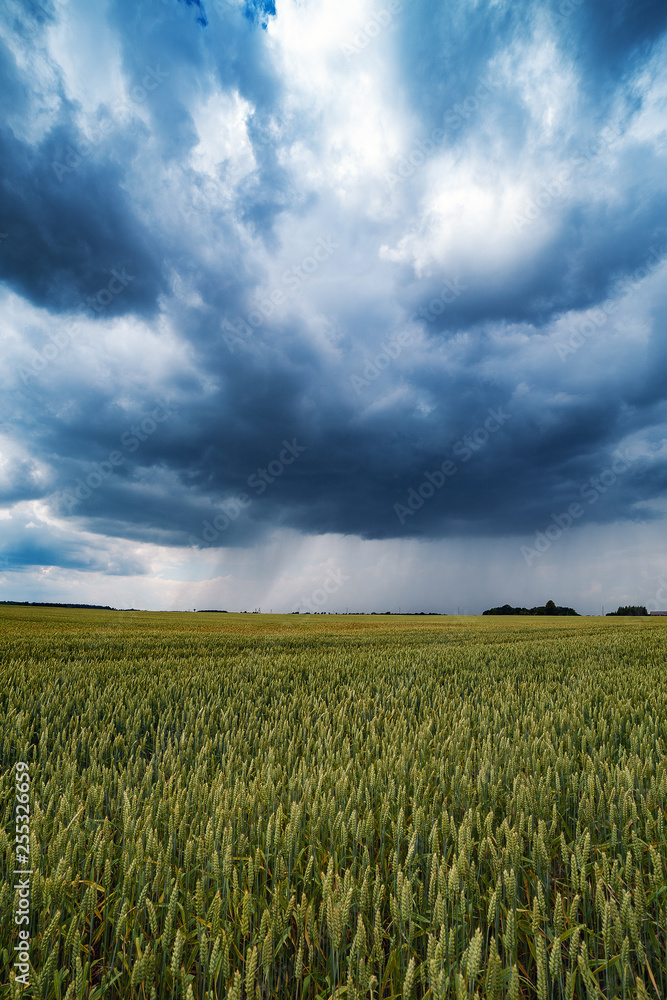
x=308 y=806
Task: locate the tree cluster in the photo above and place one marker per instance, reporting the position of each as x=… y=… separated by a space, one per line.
x=630 y=609
x=549 y=609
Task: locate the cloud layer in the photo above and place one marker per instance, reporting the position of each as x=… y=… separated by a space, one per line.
x=389 y=272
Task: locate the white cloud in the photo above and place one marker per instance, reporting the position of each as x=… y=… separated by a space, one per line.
x=220 y=120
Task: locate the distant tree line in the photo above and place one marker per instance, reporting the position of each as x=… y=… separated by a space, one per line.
x=630 y=609
x=51 y=604
x=549 y=609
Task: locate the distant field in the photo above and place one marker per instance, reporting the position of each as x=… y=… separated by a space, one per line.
x=316 y=806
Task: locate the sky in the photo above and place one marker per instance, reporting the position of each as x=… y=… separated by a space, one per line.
x=333 y=304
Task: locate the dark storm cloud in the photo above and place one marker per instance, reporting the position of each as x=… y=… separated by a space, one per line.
x=22 y=551
x=445 y=63
x=66 y=240
x=608 y=38
x=579 y=270
x=65 y=207
x=474 y=424
x=69 y=224
x=511 y=460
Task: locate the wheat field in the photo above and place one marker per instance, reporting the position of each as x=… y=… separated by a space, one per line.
x=313 y=807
